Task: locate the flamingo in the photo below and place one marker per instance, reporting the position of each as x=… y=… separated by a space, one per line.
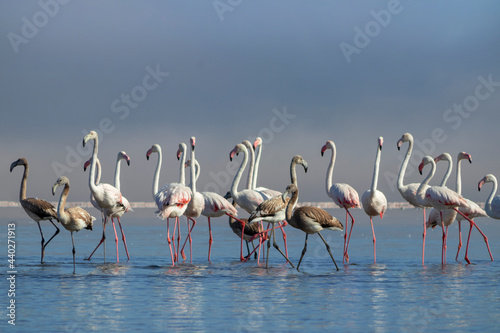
x=126 y=204
x=409 y=191
x=209 y=204
x=108 y=197
x=492 y=206
x=448 y=215
x=273 y=210
x=272 y=193
x=342 y=194
x=37 y=209
x=247 y=199
x=373 y=200
x=73 y=219
x=309 y=219
x=171 y=199
x=443 y=198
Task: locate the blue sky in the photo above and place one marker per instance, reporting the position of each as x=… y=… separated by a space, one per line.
x=162 y=71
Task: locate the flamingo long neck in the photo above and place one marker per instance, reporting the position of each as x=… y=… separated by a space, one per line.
x=256 y=167
x=237 y=178
x=92 y=184
x=459 y=176
x=376 y=170
x=117 y=173
x=98 y=171
x=61 y=213
x=448 y=173
x=420 y=191
x=492 y=195
x=182 y=168
x=402 y=170
x=22 y=190
x=291 y=204
x=329 y=171
x=156 y=177
x=250 y=183
x=293 y=172
x=192 y=168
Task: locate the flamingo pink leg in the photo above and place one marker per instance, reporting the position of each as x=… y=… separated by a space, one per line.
x=190 y=241
x=178 y=222
x=242 y=234
x=116 y=240
x=350 y=231
x=467 y=247
x=173 y=241
x=210 y=239
x=374 y=242
x=102 y=241
x=284 y=235
x=423 y=239
x=478 y=229
x=123 y=238
x=460 y=239
x=169 y=242
x=345 y=236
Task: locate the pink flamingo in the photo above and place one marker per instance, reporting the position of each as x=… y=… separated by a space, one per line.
x=409 y=191
x=374 y=201
x=108 y=197
x=128 y=208
x=72 y=219
x=247 y=199
x=37 y=209
x=443 y=198
x=172 y=199
x=342 y=194
x=209 y=204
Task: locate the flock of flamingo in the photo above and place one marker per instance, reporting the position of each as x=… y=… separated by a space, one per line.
x=263 y=204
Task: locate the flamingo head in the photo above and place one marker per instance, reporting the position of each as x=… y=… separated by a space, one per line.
x=426 y=160
x=63 y=180
x=464 y=156
x=86 y=164
x=380 y=142
x=193 y=142
x=123 y=156
x=257 y=142
x=489 y=178
x=181 y=150
x=236 y=150
x=443 y=156
x=292 y=188
x=406 y=137
x=90 y=136
x=154 y=149
x=297 y=159
x=227 y=195
x=21 y=161
x=328 y=145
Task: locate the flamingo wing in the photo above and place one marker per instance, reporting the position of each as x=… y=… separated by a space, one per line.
x=344 y=195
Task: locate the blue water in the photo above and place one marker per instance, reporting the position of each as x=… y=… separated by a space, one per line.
x=395 y=294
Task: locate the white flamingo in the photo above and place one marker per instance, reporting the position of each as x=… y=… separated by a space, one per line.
x=172 y=199
x=342 y=194
x=409 y=191
x=37 y=209
x=309 y=219
x=374 y=201
x=209 y=204
x=108 y=197
x=73 y=219
x=126 y=204
x=273 y=210
x=247 y=199
x=492 y=206
x=442 y=198
x=258 y=144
